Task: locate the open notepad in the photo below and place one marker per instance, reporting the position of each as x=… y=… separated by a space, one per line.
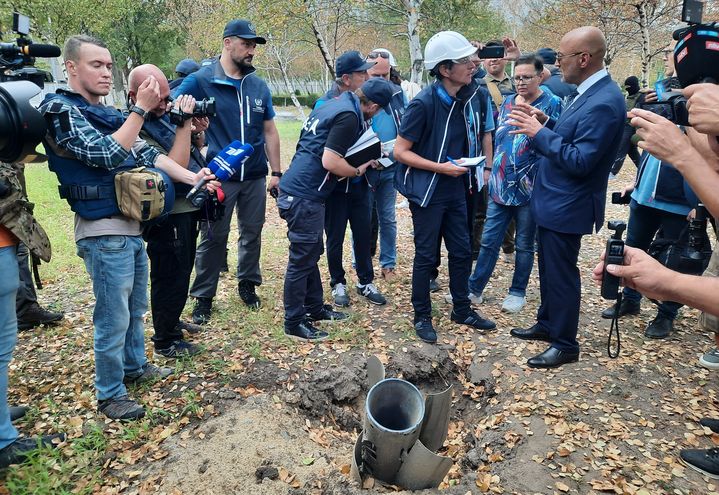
x=472 y=162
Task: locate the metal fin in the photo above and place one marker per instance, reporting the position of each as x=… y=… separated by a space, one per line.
x=375 y=370
x=422 y=469
x=436 y=419
x=357 y=460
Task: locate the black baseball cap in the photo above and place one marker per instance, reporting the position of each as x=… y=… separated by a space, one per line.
x=350 y=62
x=379 y=90
x=242 y=28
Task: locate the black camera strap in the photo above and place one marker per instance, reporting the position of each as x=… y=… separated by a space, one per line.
x=614 y=329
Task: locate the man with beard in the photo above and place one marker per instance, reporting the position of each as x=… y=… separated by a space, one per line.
x=244 y=112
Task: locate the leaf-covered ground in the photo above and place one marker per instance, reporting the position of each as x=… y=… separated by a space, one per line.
x=257 y=405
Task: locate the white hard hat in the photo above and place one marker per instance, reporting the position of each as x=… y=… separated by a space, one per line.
x=446 y=45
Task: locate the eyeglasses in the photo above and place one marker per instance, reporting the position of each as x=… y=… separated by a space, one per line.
x=523 y=79
x=560 y=55
x=463 y=60
x=374 y=55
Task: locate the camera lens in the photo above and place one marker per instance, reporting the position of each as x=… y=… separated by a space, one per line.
x=21 y=126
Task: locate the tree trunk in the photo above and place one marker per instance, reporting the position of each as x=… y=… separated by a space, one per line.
x=415 y=46
x=644 y=35
x=288 y=84
x=322 y=45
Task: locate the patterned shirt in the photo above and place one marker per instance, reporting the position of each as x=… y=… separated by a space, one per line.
x=71 y=131
x=515 y=161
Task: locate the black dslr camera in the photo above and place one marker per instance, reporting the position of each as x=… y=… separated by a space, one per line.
x=614 y=256
x=696 y=60
x=203 y=108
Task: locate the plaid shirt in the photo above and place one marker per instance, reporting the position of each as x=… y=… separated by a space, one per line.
x=71 y=131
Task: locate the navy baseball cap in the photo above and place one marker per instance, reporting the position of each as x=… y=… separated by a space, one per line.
x=379 y=90
x=187 y=66
x=243 y=29
x=548 y=56
x=350 y=62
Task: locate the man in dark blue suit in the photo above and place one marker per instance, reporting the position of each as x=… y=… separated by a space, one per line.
x=570 y=189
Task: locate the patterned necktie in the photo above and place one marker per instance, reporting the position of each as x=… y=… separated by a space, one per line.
x=569 y=99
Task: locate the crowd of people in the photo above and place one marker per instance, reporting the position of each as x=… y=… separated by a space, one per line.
x=512 y=152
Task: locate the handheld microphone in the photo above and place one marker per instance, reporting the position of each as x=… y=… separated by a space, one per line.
x=223 y=166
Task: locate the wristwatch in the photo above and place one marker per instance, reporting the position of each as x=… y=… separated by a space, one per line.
x=357 y=172
x=276 y=174
x=488 y=169
x=139 y=111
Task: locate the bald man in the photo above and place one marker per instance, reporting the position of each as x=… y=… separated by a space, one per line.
x=171 y=242
x=577 y=152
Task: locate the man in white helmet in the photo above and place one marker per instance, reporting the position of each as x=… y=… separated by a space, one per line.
x=440 y=127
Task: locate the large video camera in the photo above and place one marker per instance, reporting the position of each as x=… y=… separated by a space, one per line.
x=203 y=108
x=17 y=59
x=21 y=125
x=696 y=60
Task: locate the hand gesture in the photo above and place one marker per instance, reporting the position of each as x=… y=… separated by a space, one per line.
x=148 y=94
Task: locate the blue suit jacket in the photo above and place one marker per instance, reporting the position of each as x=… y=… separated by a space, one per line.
x=577 y=153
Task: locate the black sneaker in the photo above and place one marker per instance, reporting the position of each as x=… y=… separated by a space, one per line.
x=37 y=315
x=16 y=452
x=178 y=349
x=704 y=461
x=150 y=372
x=202 y=311
x=434 y=285
x=17 y=412
x=659 y=328
x=327 y=314
x=371 y=293
x=626 y=308
x=424 y=330
x=306 y=333
x=473 y=319
x=190 y=328
x=246 y=289
x=121 y=407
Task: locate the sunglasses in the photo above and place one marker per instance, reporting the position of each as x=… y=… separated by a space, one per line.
x=462 y=61
x=375 y=55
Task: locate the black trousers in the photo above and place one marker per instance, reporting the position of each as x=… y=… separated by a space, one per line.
x=436 y=221
x=303 y=286
x=26 y=295
x=352 y=207
x=560 y=287
x=171 y=250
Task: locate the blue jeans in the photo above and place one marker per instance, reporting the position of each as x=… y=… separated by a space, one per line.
x=9 y=283
x=384 y=193
x=117 y=265
x=498 y=219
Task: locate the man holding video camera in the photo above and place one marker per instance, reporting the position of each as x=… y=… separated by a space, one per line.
x=696 y=156
x=171 y=241
x=86 y=144
x=245 y=112
x=658 y=204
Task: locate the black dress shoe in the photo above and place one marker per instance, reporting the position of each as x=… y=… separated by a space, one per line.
x=626 y=308
x=711 y=423
x=552 y=358
x=37 y=315
x=535 y=332
x=306 y=333
x=659 y=328
x=17 y=412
